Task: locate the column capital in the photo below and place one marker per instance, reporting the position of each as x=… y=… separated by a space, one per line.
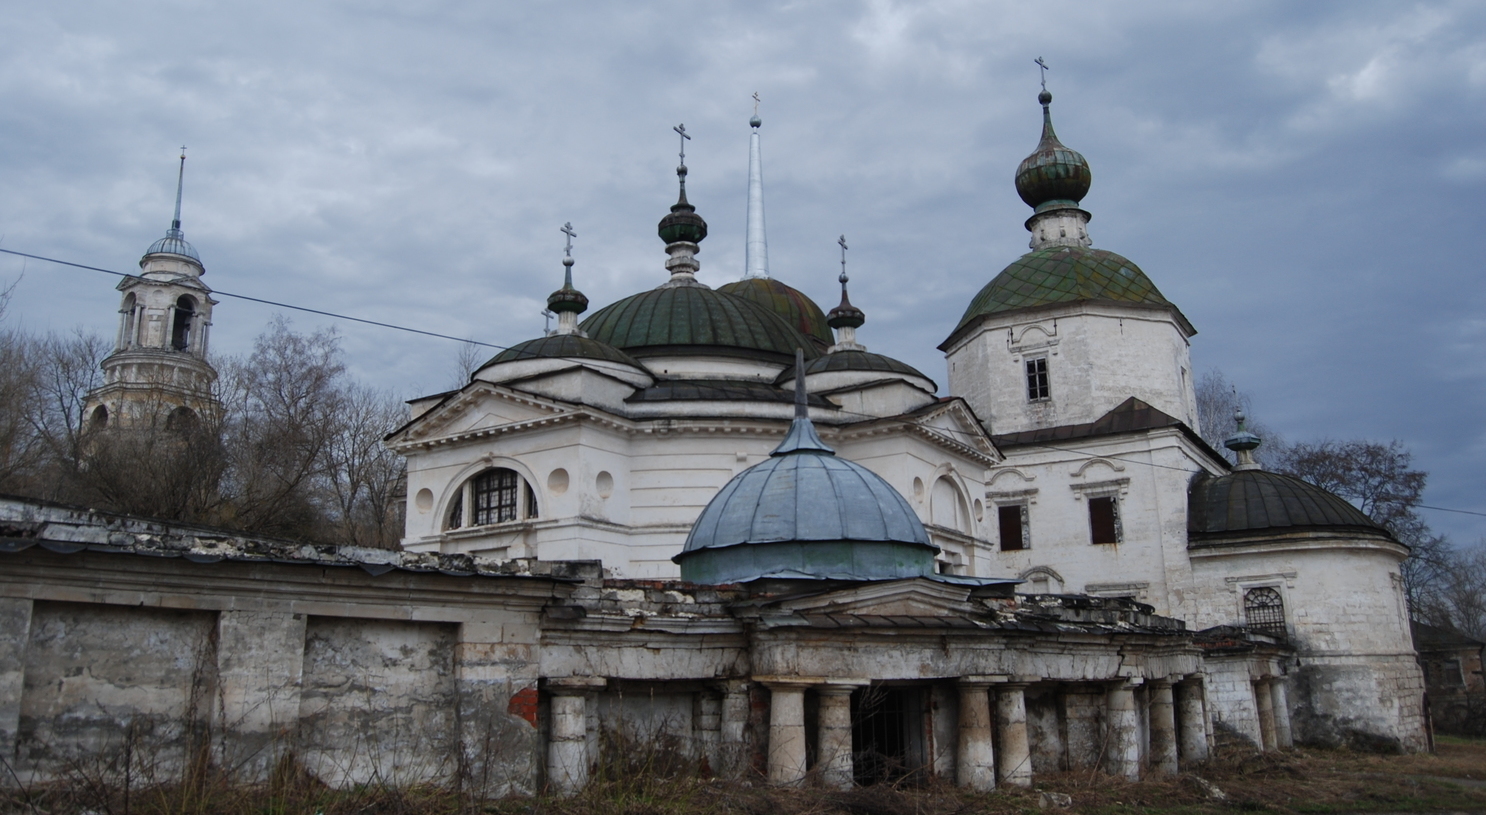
x=982 y=681
x=1162 y=682
x=835 y=690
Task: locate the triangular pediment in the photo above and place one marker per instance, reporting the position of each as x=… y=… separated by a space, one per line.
x=951 y=424
x=476 y=407
x=915 y=597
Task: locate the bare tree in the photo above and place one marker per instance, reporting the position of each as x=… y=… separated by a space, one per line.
x=467 y=360
x=1217 y=399
x=366 y=481
x=22 y=452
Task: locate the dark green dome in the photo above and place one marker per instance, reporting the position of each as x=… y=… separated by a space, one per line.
x=673 y=316
x=1064 y=274
x=854 y=361
x=563 y=346
x=1053 y=176
x=796 y=309
x=1254 y=500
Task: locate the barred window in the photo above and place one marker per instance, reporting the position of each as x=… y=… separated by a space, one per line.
x=1264 y=611
x=1037 y=387
x=494 y=496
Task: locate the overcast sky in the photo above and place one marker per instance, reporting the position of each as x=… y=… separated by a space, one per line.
x=1307 y=181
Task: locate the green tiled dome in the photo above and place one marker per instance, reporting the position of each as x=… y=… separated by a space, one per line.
x=796 y=309
x=694 y=316
x=1063 y=274
x=562 y=346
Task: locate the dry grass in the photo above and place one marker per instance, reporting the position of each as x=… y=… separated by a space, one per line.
x=1297 y=781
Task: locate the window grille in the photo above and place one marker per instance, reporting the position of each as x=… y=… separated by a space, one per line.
x=1264 y=610
x=1013 y=523
x=1104 y=520
x=1037 y=387
x=494 y=495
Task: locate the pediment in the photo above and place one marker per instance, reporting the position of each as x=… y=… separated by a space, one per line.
x=914 y=597
x=478 y=406
x=952 y=421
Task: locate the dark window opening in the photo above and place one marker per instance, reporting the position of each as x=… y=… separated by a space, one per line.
x=181 y=419
x=456 y=511
x=180 y=335
x=1037 y=387
x=1104 y=519
x=494 y=497
x=1013 y=522
x=887 y=734
x=100 y=417
x=1264 y=610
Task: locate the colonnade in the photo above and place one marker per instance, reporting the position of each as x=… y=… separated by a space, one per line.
x=1102 y=724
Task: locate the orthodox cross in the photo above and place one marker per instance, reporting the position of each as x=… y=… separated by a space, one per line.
x=842 y=242
x=681 y=129
x=1042 y=66
x=755 y=103
x=547 y=314
x=567 y=229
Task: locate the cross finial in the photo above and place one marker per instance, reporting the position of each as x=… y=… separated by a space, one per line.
x=755 y=103
x=681 y=129
x=547 y=315
x=842 y=242
x=1042 y=66
x=567 y=229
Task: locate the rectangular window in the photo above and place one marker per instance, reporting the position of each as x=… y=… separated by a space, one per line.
x=495 y=497
x=1037 y=388
x=1452 y=676
x=1104 y=519
x=1013 y=522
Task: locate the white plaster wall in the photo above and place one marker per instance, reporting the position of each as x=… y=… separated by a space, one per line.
x=1098 y=356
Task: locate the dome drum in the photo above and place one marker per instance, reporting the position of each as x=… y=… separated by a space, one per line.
x=812 y=560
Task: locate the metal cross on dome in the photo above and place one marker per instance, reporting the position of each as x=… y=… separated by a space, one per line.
x=842 y=242
x=681 y=129
x=567 y=229
x=755 y=103
x=1043 y=67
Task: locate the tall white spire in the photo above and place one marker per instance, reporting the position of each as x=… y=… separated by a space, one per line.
x=756 y=263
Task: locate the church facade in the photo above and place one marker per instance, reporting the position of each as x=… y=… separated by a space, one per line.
x=710 y=525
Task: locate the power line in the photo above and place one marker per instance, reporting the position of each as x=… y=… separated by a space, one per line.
x=864 y=416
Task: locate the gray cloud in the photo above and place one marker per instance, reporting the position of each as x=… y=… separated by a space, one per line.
x=1305 y=180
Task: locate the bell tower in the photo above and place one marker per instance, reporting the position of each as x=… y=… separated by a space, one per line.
x=158 y=373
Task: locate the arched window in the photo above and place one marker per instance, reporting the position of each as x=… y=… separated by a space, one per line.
x=947 y=506
x=180 y=334
x=1264 y=611
x=181 y=420
x=126 y=332
x=99 y=418
x=495 y=496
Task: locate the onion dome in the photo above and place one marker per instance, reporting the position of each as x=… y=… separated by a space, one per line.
x=668 y=318
x=789 y=303
x=1065 y=274
x=1243 y=443
x=683 y=223
x=1054 y=176
x=563 y=346
x=806 y=514
x=174 y=242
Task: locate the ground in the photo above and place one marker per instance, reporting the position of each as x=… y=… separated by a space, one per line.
x=1295 y=781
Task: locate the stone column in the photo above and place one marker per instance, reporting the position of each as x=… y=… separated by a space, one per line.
x=1083 y=710
x=1122 y=731
x=975 y=756
x=709 y=727
x=1192 y=721
x=1264 y=701
x=786 y=733
x=1283 y=737
x=733 y=750
x=1163 y=728
x=1014 y=759
x=260 y=671
x=15 y=634
x=567 y=750
x=833 y=743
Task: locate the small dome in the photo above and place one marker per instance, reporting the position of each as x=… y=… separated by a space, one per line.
x=1063 y=274
x=567 y=298
x=563 y=346
x=673 y=316
x=796 y=309
x=806 y=514
x=854 y=361
x=1254 y=500
x=174 y=243
x=1053 y=176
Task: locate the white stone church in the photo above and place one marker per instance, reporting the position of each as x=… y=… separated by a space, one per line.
x=670 y=531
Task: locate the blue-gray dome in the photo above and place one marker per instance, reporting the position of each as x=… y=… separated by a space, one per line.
x=806 y=514
x=174 y=243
